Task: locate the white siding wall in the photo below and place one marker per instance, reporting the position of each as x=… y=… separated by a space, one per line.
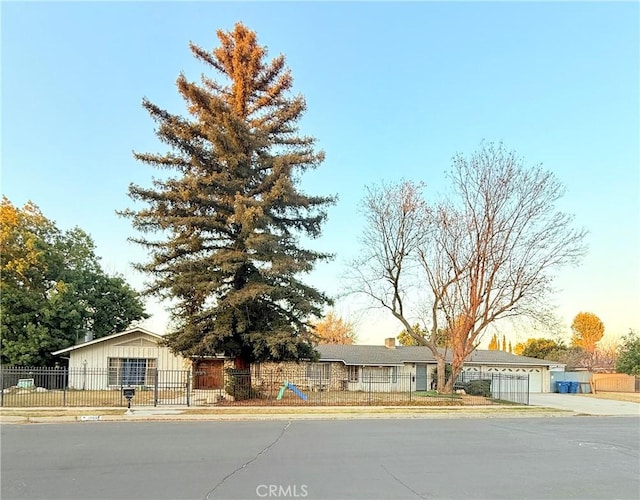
x=97 y=359
x=383 y=381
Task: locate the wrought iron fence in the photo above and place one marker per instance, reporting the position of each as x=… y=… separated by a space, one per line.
x=304 y=385
x=503 y=387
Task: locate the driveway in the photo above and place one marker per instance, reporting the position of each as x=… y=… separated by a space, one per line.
x=585 y=404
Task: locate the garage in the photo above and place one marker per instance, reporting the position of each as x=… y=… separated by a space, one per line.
x=509 y=364
x=535 y=375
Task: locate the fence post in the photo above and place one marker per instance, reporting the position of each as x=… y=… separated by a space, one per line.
x=155 y=388
x=188 y=387
x=65 y=382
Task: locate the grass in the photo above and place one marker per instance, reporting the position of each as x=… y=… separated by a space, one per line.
x=82 y=398
x=435 y=394
x=114 y=398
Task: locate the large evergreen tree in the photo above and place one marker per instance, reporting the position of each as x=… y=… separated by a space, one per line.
x=231 y=217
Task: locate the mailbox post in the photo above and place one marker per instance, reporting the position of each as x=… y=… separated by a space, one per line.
x=128 y=393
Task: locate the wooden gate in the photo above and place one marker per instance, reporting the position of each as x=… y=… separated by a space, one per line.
x=208 y=374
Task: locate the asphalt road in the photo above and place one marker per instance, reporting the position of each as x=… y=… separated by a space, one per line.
x=490 y=458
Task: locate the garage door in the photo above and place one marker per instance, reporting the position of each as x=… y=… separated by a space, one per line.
x=535 y=380
x=535 y=375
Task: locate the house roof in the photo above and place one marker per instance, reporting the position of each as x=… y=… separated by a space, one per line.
x=108 y=337
x=377 y=355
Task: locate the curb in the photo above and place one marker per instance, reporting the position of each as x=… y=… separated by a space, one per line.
x=212 y=417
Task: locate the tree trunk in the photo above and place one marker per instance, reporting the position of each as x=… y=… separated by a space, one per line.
x=456 y=369
x=441 y=373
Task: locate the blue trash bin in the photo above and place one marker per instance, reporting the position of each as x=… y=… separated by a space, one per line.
x=562 y=387
x=573 y=387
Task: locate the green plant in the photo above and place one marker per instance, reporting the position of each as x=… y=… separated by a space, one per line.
x=238 y=385
x=478 y=388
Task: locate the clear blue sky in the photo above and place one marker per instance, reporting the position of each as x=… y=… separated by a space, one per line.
x=393 y=91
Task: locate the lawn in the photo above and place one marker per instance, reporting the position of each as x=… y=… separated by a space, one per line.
x=114 y=398
x=23 y=399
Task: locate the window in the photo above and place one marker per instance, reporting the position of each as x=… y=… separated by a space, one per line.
x=318 y=371
x=131 y=371
x=353 y=372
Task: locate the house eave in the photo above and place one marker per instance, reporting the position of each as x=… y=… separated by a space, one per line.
x=103 y=339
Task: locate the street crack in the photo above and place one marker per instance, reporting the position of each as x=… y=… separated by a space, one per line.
x=403 y=483
x=248 y=462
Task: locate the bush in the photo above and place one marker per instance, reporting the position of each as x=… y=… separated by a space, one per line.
x=478 y=388
x=238 y=385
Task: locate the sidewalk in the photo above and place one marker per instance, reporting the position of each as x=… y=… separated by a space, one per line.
x=180 y=413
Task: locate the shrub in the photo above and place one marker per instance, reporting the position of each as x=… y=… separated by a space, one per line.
x=238 y=385
x=478 y=388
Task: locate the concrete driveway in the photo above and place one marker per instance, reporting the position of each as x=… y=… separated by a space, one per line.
x=585 y=404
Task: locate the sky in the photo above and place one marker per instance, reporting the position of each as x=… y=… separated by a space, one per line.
x=393 y=91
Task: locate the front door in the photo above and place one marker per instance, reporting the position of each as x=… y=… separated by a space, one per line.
x=421 y=377
x=208 y=374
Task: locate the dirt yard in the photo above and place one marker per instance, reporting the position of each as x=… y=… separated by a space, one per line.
x=633 y=397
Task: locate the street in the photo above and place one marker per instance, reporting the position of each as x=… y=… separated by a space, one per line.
x=563 y=457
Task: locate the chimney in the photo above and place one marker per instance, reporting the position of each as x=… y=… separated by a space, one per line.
x=390 y=343
x=88 y=336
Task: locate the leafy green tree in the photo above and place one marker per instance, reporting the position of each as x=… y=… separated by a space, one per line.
x=406 y=339
x=229 y=220
x=540 y=348
x=629 y=354
x=53 y=289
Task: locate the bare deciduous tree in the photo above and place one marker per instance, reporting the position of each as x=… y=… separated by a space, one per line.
x=397 y=220
x=486 y=252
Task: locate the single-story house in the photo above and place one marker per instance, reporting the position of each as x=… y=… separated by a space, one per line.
x=363 y=366
x=134 y=357
x=125 y=358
